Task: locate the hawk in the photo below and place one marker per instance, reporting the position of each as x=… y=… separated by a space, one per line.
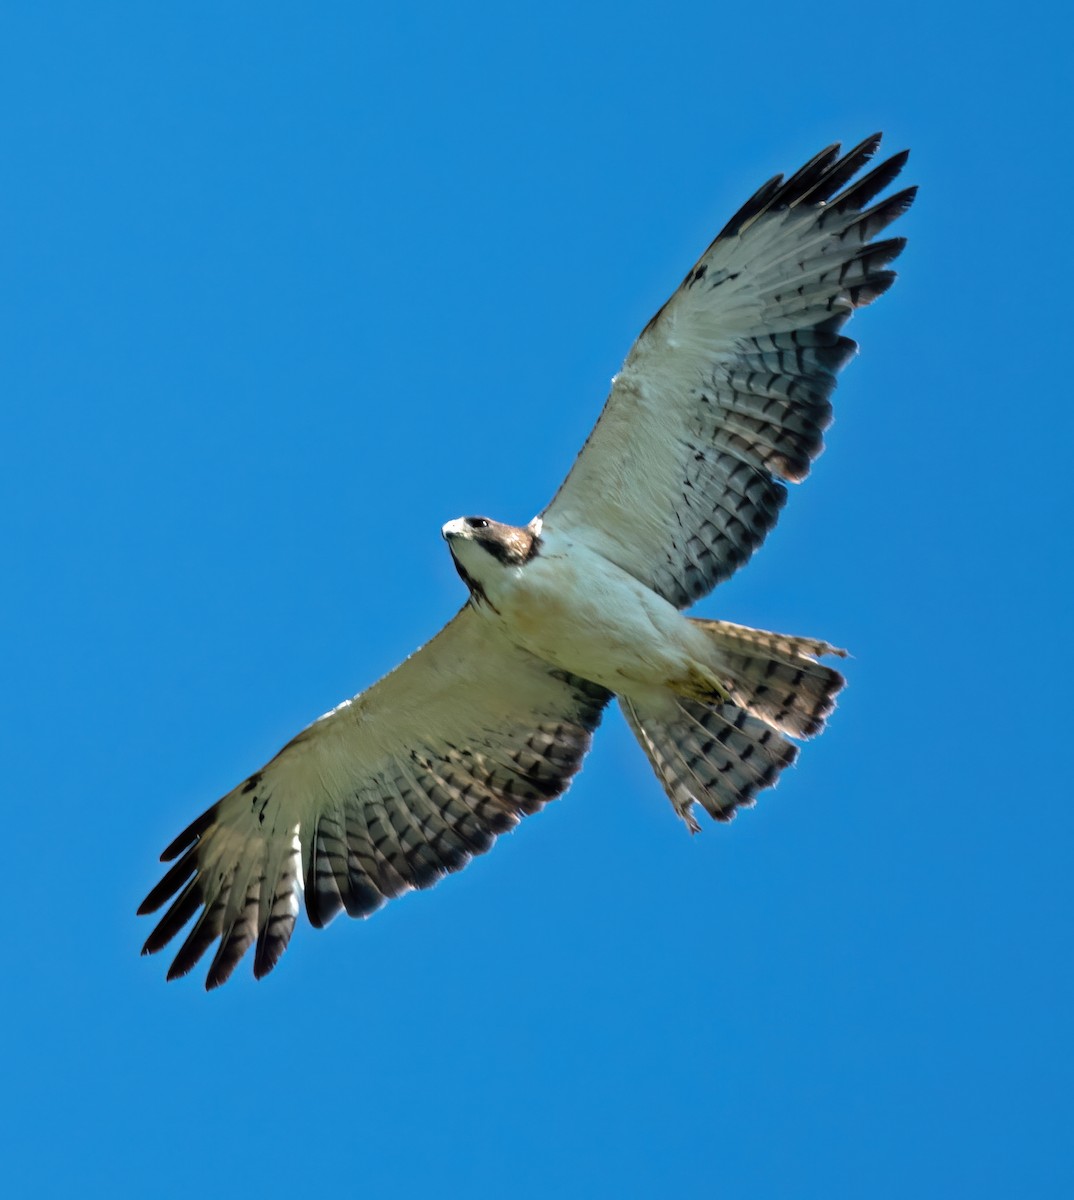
x=722 y=400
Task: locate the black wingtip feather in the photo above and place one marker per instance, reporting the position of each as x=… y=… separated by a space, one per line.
x=225 y=960
x=835 y=357
x=363 y=899
x=174 y=919
x=807 y=176
x=818 y=180
x=879 y=254
x=189 y=835
x=174 y=879
x=840 y=172
x=858 y=195
x=272 y=941
x=753 y=207
x=876 y=285
x=894 y=206
x=198 y=940
x=265 y=960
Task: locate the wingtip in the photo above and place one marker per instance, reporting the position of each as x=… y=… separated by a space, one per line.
x=190 y=834
x=906 y=197
x=871 y=144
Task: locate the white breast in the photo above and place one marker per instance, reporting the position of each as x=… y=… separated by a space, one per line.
x=573 y=608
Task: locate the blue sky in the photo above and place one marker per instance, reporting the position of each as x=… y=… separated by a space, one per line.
x=283 y=290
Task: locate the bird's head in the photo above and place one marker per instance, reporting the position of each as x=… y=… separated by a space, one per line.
x=483 y=549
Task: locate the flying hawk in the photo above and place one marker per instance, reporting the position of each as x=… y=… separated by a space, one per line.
x=723 y=398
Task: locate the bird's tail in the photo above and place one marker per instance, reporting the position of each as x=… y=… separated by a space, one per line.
x=720 y=750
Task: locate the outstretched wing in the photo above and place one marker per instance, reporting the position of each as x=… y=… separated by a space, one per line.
x=389 y=791
x=726 y=392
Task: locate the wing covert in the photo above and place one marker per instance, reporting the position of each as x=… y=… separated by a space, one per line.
x=386 y=793
x=725 y=396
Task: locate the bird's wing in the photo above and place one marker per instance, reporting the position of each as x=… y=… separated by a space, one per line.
x=726 y=392
x=389 y=791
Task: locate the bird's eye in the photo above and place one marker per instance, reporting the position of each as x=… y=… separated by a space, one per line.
x=477 y=522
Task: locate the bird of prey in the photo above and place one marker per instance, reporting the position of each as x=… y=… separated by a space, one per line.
x=722 y=400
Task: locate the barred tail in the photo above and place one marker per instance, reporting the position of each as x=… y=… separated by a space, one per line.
x=721 y=754
x=777 y=677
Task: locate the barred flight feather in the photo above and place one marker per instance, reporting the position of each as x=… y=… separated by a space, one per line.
x=735 y=371
x=354 y=813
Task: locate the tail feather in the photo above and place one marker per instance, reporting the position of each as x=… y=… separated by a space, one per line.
x=777 y=677
x=718 y=755
x=721 y=754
